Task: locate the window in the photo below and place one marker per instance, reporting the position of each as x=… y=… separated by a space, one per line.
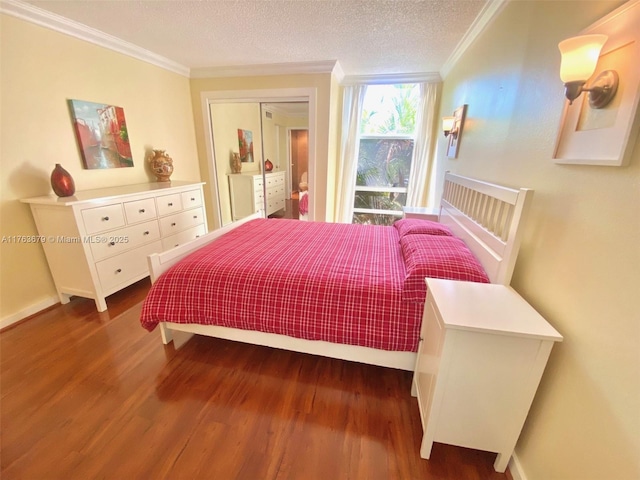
x=387 y=137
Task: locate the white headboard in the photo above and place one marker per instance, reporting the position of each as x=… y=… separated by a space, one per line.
x=489 y=218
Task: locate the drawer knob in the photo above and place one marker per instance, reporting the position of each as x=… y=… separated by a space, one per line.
x=145 y=233
x=111 y=244
x=170 y=204
x=105 y=219
x=141 y=210
x=193 y=199
x=176 y=244
x=173 y=224
x=119 y=270
x=195 y=216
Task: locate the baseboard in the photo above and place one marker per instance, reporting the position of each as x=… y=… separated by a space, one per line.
x=30 y=310
x=516 y=468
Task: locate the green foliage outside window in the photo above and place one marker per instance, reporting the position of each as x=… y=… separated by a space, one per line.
x=385 y=161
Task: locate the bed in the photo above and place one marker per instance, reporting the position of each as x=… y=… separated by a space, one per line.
x=354 y=292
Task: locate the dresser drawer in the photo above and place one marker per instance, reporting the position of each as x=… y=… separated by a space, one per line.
x=192 y=198
x=101 y=219
x=275 y=180
x=182 y=237
x=181 y=221
x=275 y=204
x=169 y=204
x=140 y=210
x=126 y=267
x=118 y=241
x=274 y=192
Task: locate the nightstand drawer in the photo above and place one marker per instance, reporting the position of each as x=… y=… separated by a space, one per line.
x=101 y=219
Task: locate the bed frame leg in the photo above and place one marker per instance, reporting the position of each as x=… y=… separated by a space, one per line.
x=166 y=334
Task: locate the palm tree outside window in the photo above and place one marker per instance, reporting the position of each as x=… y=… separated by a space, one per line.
x=387 y=139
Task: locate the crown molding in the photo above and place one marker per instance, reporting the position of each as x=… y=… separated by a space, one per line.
x=488 y=13
x=29 y=13
x=390 y=78
x=266 y=69
x=338 y=73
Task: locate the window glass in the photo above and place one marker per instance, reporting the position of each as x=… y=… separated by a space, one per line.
x=387 y=129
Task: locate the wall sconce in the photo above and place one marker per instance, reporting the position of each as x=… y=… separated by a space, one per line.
x=452 y=127
x=448 y=125
x=579 y=60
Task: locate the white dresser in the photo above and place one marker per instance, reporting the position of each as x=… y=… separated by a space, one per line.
x=97 y=241
x=248 y=191
x=481 y=356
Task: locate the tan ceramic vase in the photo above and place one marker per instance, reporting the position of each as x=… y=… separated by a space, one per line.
x=161 y=165
x=236 y=164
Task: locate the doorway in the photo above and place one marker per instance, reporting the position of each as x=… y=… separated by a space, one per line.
x=286 y=144
x=298 y=141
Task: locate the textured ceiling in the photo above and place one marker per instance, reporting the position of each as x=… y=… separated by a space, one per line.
x=366 y=36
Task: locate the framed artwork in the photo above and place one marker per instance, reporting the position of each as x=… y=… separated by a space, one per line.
x=102 y=134
x=606 y=136
x=459 y=115
x=245 y=145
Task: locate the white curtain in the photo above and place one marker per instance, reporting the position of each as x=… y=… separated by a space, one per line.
x=421 y=166
x=353 y=99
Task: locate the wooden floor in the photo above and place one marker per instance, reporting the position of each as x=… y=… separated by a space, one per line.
x=87 y=395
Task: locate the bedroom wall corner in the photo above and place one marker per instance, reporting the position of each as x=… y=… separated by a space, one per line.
x=41 y=69
x=579 y=260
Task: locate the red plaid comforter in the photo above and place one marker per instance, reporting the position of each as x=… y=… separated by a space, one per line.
x=319 y=281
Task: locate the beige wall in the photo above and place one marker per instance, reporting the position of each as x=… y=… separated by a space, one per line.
x=326 y=90
x=580 y=260
x=40 y=70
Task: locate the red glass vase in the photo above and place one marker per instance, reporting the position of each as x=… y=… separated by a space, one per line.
x=62 y=182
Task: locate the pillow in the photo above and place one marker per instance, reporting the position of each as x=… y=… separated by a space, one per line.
x=437 y=256
x=408 y=226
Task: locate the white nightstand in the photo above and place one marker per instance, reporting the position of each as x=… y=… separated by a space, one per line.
x=482 y=352
x=422 y=213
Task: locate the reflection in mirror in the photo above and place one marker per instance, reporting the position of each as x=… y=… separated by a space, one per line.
x=275 y=182
x=226 y=120
x=285 y=128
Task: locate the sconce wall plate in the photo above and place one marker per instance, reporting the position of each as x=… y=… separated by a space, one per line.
x=603 y=89
x=601 y=128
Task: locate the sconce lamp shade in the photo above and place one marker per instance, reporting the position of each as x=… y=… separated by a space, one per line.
x=580 y=57
x=447 y=124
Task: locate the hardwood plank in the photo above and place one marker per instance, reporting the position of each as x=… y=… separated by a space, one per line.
x=93 y=395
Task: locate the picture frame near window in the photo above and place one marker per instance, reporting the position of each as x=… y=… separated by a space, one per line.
x=606 y=136
x=102 y=134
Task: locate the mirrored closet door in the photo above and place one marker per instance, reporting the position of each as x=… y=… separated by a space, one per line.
x=261 y=158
